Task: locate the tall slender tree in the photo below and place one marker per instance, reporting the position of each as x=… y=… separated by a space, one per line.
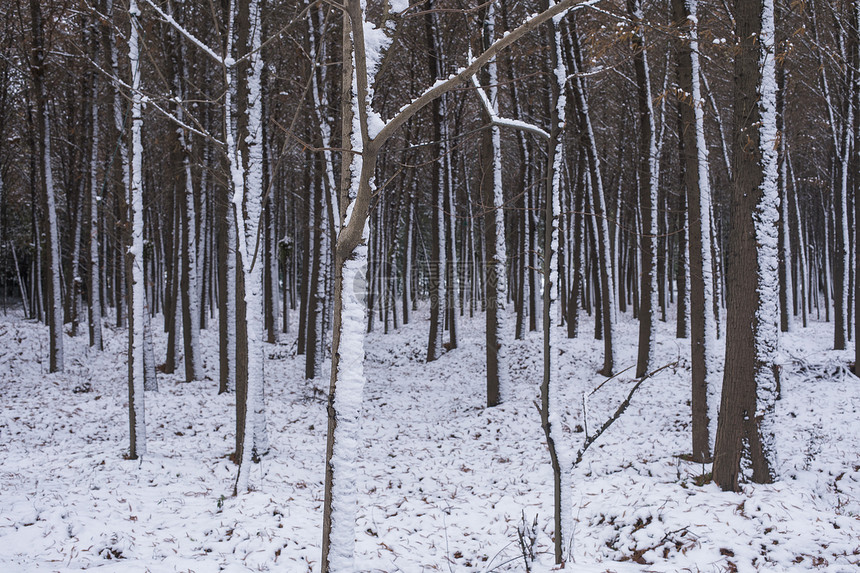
x=136 y=366
x=648 y=184
x=697 y=183
x=38 y=64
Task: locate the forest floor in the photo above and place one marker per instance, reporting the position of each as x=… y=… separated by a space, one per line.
x=443 y=481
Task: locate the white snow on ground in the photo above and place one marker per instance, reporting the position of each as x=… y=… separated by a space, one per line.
x=443 y=482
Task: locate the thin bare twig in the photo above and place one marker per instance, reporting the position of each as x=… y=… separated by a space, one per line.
x=621 y=408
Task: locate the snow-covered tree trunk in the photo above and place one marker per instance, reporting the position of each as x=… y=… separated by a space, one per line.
x=751 y=384
x=136 y=366
x=328 y=202
x=347 y=368
x=841 y=261
x=55 y=310
x=231 y=270
x=600 y=223
x=247 y=199
x=190 y=278
x=438 y=264
x=648 y=184
x=450 y=213
x=95 y=310
x=578 y=248
x=855 y=104
x=551 y=401
x=799 y=242
x=314 y=273
x=407 y=259
x=121 y=123
x=696 y=170
x=46 y=175
x=272 y=269
x=172 y=318
x=150 y=377
x=74 y=288
x=190 y=290
x=498 y=374
x=786 y=295
x=322 y=282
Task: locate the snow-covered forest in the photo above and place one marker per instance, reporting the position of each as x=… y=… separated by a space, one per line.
x=339 y=285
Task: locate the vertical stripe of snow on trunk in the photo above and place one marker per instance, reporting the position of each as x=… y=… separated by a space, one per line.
x=501 y=259
x=95 y=290
x=347 y=405
x=553 y=404
x=195 y=360
x=57 y=362
x=136 y=248
x=255 y=437
x=648 y=326
x=712 y=380
x=766 y=219
x=348 y=379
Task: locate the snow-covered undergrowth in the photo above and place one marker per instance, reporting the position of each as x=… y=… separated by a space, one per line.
x=443 y=481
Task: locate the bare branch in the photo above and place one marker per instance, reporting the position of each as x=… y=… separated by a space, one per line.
x=167 y=18
x=351 y=233
x=621 y=408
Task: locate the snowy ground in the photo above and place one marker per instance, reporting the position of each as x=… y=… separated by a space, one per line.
x=444 y=482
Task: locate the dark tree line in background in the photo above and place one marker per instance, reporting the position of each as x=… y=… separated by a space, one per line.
x=259 y=167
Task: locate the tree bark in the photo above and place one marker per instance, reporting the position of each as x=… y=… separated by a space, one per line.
x=648 y=184
x=597 y=200
x=750 y=383
x=498 y=378
x=136 y=360
x=438 y=270
x=697 y=184
x=46 y=180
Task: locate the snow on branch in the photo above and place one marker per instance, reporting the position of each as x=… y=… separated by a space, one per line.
x=463 y=74
x=181 y=29
x=503 y=121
